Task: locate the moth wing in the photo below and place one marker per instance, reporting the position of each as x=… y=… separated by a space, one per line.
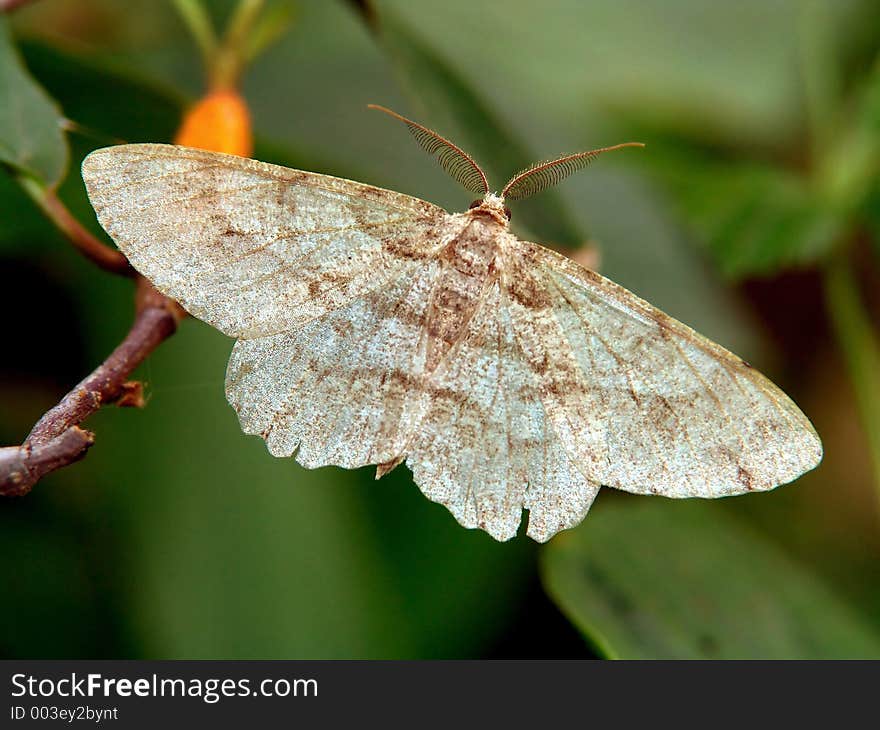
x=642 y=402
x=485 y=447
x=346 y=388
x=249 y=247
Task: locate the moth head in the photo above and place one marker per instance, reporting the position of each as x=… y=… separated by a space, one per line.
x=492 y=205
x=462 y=167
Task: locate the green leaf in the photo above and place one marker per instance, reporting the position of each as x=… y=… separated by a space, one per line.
x=646 y=579
x=446 y=101
x=101 y=97
x=785 y=208
x=852 y=162
x=695 y=66
x=754 y=217
x=31 y=139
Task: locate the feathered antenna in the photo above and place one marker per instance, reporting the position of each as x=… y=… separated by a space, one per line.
x=458 y=163
x=542 y=175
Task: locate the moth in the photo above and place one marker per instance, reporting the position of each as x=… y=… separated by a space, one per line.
x=372 y=327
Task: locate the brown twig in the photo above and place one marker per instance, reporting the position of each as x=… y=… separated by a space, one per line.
x=85 y=242
x=23 y=466
x=57 y=440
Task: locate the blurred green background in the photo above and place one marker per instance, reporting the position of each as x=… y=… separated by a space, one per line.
x=753 y=215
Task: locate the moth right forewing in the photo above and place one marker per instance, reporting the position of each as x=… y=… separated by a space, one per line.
x=643 y=402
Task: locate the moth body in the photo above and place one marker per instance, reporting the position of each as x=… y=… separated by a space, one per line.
x=470 y=262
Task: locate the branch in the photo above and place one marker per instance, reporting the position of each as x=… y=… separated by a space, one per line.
x=23 y=466
x=85 y=242
x=57 y=440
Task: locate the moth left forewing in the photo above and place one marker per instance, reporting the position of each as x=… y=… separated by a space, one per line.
x=642 y=402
